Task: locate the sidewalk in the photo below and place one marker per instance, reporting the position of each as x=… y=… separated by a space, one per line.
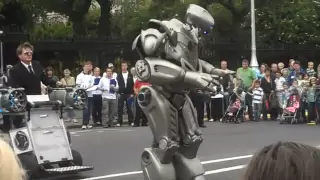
x=72 y=125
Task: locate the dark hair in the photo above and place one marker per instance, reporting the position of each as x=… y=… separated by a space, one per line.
x=267 y=69
x=124 y=62
x=23 y=46
x=87 y=63
x=245 y=61
x=284 y=161
x=49 y=68
x=257 y=82
x=109 y=68
x=279 y=72
x=296 y=62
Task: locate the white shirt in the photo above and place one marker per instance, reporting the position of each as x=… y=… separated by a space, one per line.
x=26 y=65
x=279 y=83
x=85 y=81
x=125 y=78
x=105 y=85
x=257 y=97
x=96 y=92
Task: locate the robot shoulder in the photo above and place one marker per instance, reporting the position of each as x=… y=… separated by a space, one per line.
x=149 y=40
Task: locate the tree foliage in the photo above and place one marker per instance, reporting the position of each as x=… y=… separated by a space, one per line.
x=288 y=21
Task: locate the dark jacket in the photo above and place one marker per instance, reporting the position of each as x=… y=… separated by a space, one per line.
x=125 y=89
x=293 y=75
x=20 y=77
x=268 y=87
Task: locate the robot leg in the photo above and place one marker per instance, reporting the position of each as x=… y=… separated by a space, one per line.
x=186 y=162
x=163 y=121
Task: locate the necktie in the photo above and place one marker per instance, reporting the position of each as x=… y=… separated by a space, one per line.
x=30 y=69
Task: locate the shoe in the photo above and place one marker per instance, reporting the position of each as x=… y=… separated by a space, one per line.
x=118 y=125
x=203 y=126
x=135 y=125
x=68 y=120
x=89 y=126
x=75 y=120
x=211 y=120
x=84 y=127
x=98 y=123
x=131 y=124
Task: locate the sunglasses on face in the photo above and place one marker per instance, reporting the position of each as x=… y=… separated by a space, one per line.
x=28 y=53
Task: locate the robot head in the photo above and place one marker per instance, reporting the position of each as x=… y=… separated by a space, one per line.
x=200 y=18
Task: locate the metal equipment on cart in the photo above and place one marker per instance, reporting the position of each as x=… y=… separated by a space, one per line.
x=42 y=145
x=70 y=97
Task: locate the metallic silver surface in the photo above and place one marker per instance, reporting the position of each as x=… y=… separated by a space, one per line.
x=70 y=97
x=13 y=100
x=169 y=61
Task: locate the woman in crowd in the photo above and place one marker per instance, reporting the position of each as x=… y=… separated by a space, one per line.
x=67 y=80
x=285 y=161
x=268 y=86
x=50 y=79
x=10 y=167
x=279 y=81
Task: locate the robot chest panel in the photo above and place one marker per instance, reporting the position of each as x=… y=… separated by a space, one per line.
x=187 y=50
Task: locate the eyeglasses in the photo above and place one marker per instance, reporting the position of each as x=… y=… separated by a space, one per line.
x=28 y=53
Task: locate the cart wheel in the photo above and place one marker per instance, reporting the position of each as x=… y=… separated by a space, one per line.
x=77 y=158
x=30 y=164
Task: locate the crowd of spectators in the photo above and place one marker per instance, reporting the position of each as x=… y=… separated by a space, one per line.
x=267 y=89
x=105 y=102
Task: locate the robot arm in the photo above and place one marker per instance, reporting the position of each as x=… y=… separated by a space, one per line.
x=208 y=68
x=161 y=72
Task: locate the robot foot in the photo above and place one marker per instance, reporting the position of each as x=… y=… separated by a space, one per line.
x=153 y=169
x=188 y=169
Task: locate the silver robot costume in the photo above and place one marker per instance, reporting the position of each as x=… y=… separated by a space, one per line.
x=169 y=61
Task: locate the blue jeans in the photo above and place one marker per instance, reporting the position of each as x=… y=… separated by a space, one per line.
x=87 y=112
x=257 y=108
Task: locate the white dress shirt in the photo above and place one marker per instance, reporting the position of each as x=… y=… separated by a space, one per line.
x=85 y=81
x=104 y=84
x=27 y=66
x=125 y=78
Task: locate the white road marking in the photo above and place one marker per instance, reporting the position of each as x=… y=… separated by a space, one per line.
x=225 y=169
x=216 y=171
x=99 y=130
x=204 y=162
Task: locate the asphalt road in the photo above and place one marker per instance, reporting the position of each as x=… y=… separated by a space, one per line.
x=227 y=148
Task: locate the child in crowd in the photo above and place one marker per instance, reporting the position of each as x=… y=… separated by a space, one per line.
x=285 y=73
x=280 y=66
x=235 y=106
x=311 y=99
x=310 y=70
x=257 y=100
x=318 y=71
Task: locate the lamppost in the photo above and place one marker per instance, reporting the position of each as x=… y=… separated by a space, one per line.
x=254 y=61
x=2 y=76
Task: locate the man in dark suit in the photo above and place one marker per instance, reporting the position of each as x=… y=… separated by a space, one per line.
x=25 y=74
x=125 y=82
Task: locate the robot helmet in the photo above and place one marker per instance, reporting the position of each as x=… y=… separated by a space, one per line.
x=199 y=17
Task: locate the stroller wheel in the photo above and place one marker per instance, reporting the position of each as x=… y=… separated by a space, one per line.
x=280 y=121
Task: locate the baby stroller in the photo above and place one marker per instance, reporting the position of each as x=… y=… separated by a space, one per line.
x=235 y=110
x=292 y=108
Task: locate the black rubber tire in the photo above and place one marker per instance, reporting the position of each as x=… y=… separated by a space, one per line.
x=69 y=136
x=77 y=158
x=30 y=164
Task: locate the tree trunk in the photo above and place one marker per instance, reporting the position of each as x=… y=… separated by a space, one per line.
x=77 y=16
x=104 y=20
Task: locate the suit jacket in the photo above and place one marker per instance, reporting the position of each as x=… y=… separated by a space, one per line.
x=20 y=77
x=122 y=88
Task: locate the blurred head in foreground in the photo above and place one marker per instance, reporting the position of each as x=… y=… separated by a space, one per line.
x=10 y=168
x=285 y=161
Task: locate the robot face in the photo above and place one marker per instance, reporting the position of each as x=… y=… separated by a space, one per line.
x=200 y=18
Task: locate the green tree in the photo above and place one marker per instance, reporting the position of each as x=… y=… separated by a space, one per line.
x=291 y=22
x=76 y=10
